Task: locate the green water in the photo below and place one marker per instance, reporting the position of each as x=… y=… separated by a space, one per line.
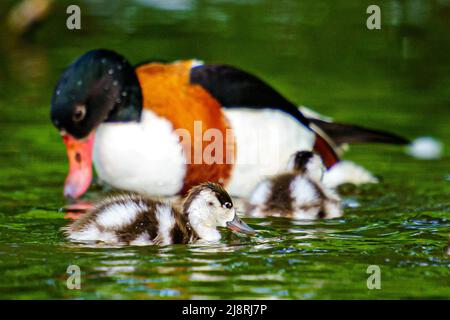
x=318 y=53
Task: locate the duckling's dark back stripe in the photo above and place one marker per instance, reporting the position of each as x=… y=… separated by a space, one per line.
x=145 y=222
x=281 y=199
x=322 y=196
x=181 y=233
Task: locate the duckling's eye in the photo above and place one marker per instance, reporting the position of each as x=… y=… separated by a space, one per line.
x=79 y=113
x=228 y=205
x=210 y=204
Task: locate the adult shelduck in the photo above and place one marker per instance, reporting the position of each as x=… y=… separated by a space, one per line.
x=132 y=219
x=161 y=128
x=298 y=193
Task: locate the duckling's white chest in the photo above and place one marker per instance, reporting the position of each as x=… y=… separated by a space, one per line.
x=143 y=156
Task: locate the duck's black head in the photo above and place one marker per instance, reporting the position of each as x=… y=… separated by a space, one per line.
x=100 y=86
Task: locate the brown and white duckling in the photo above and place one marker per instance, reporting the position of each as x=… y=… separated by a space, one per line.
x=136 y=220
x=298 y=193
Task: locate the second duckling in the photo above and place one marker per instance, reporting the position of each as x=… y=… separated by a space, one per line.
x=132 y=219
x=297 y=194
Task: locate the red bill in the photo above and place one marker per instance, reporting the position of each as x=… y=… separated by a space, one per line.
x=79 y=153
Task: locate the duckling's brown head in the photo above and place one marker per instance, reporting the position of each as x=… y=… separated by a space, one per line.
x=308 y=163
x=208 y=206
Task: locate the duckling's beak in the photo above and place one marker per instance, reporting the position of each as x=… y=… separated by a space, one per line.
x=239 y=226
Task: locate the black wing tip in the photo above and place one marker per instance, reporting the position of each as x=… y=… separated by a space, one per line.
x=395 y=139
x=347 y=133
x=233 y=87
x=379 y=136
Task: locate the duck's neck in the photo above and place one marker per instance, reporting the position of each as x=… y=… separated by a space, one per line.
x=128 y=106
x=207 y=233
x=204 y=229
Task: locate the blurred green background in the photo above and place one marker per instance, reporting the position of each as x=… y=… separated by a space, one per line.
x=317 y=53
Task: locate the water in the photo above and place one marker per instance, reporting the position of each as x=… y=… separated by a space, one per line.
x=318 y=53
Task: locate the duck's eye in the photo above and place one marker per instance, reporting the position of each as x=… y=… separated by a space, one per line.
x=228 y=205
x=79 y=113
x=210 y=204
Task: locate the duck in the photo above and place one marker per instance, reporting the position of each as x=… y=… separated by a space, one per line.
x=160 y=128
x=297 y=193
x=134 y=219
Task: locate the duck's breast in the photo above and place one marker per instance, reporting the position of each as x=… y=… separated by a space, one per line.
x=144 y=157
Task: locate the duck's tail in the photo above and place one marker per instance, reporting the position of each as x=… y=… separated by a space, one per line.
x=331 y=136
x=342 y=133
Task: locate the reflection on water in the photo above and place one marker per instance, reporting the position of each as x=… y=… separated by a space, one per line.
x=317 y=53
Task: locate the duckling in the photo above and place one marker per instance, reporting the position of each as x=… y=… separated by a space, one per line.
x=133 y=219
x=298 y=193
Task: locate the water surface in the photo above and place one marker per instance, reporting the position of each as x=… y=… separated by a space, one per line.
x=317 y=53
